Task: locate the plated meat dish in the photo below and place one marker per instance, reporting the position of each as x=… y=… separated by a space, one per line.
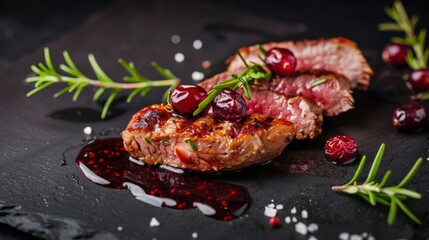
x=256 y=128
x=155 y=136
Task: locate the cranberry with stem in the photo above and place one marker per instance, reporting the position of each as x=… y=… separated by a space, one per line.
x=280 y=61
x=229 y=105
x=419 y=80
x=410 y=117
x=341 y=149
x=395 y=53
x=185 y=98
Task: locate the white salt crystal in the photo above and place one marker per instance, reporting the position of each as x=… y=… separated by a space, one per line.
x=287 y=219
x=365 y=234
x=154 y=222
x=197 y=76
x=312 y=238
x=87 y=130
x=197 y=44
x=293 y=210
x=271 y=205
x=179 y=57
x=279 y=206
x=194 y=235
x=301 y=228
x=120 y=228
x=313 y=227
x=371 y=238
x=175 y=39
x=294 y=220
x=304 y=214
x=356 y=237
x=344 y=236
x=270 y=212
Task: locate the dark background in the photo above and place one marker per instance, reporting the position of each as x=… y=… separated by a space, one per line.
x=39 y=133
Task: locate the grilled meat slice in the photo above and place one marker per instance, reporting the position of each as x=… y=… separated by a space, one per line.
x=155 y=135
x=302 y=112
x=338 y=55
x=333 y=96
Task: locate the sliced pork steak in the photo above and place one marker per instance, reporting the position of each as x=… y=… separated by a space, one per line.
x=302 y=112
x=333 y=96
x=155 y=135
x=338 y=55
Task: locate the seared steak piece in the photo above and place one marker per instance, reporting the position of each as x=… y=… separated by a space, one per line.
x=155 y=135
x=338 y=55
x=302 y=112
x=333 y=96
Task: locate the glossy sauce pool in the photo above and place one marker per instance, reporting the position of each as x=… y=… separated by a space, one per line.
x=106 y=163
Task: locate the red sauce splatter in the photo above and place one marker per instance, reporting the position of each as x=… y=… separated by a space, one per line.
x=106 y=163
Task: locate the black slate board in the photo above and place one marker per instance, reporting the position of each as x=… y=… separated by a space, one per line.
x=42 y=136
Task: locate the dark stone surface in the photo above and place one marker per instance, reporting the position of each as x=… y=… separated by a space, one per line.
x=42 y=136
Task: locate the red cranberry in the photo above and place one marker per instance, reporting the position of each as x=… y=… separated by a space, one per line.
x=419 y=80
x=341 y=149
x=394 y=53
x=274 y=222
x=185 y=98
x=229 y=105
x=410 y=117
x=280 y=61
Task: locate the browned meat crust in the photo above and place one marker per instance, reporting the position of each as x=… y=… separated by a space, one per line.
x=156 y=136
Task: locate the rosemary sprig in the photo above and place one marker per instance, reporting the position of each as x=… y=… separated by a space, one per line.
x=374 y=192
x=250 y=75
x=417 y=58
x=76 y=81
x=317 y=82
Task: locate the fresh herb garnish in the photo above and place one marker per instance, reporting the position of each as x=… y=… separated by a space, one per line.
x=76 y=81
x=418 y=55
x=374 y=192
x=147 y=141
x=250 y=75
x=191 y=143
x=417 y=58
x=166 y=143
x=318 y=82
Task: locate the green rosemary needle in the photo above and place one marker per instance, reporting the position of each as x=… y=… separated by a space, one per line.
x=76 y=81
x=376 y=192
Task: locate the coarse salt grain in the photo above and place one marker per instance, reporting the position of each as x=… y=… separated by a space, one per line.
x=271 y=205
x=344 y=236
x=304 y=214
x=371 y=238
x=120 y=228
x=175 y=39
x=312 y=227
x=294 y=220
x=179 y=57
x=301 y=228
x=194 y=235
x=279 y=206
x=87 y=130
x=197 y=44
x=287 y=219
x=197 y=76
x=293 y=210
x=154 y=222
x=270 y=212
x=356 y=237
x=312 y=238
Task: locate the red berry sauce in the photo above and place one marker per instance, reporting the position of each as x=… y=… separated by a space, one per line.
x=106 y=163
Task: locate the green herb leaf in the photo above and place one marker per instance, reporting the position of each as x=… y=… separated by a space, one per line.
x=374 y=192
x=77 y=81
x=318 y=82
x=191 y=143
